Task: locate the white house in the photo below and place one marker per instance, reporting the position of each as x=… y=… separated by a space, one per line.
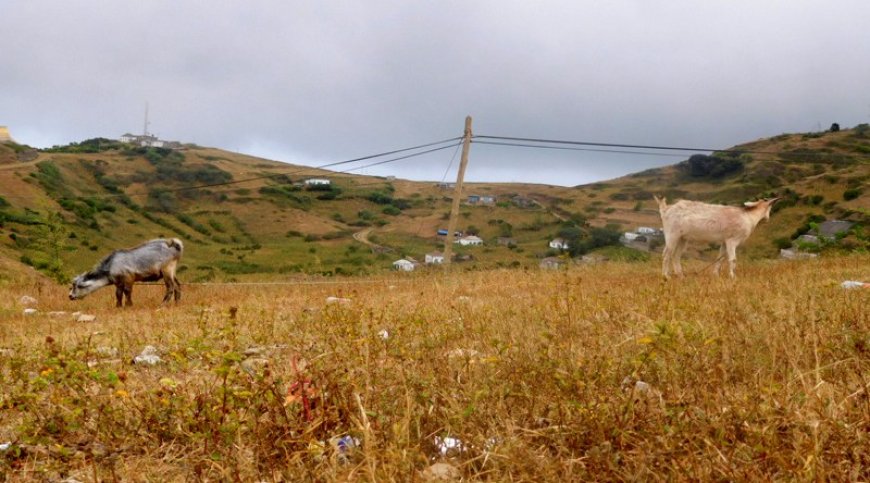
x=559 y=244
x=317 y=181
x=630 y=235
x=645 y=230
x=434 y=258
x=145 y=140
x=403 y=265
x=469 y=240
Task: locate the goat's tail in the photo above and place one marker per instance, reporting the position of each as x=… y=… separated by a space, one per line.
x=176 y=243
x=663 y=204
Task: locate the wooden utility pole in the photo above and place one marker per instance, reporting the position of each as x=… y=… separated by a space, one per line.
x=457 y=193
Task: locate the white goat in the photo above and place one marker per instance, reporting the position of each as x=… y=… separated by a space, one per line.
x=729 y=226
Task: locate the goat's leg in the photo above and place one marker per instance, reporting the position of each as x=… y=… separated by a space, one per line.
x=170 y=288
x=668 y=255
x=718 y=264
x=731 y=248
x=128 y=291
x=678 y=254
x=177 y=289
x=119 y=294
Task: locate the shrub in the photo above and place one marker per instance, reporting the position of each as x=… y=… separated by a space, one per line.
x=391 y=210
x=851 y=194
x=717 y=166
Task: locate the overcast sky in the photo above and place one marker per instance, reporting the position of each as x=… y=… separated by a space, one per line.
x=319 y=81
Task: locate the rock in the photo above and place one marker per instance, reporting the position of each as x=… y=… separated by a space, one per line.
x=254 y=351
x=5 y=446
x=441 y=472
x=337 y=300
x=27 y=300
x=149 y=356
x=383 y=334
x=30 y=311
x=86 y=318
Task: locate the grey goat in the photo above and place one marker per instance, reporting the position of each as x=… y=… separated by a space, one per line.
x=147 y=262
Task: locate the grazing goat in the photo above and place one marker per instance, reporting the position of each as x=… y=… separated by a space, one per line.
x=729 y=226
x=148 y=262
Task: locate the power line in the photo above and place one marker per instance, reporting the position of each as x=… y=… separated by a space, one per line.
x=568 y=148
x=639 y=146
x=396 y=159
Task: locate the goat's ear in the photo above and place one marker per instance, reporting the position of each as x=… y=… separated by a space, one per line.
x=751 y=204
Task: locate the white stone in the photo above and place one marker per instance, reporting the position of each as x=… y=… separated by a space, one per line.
x=149 y=356
x=86 y=318
x=337 y=300
x=441 y=472
x=27 y=300
x=30 y=311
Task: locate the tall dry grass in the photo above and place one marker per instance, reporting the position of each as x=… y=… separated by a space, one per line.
x=599 y=373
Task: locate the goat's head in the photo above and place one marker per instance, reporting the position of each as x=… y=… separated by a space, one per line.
x=763 y=206
x=86 y=283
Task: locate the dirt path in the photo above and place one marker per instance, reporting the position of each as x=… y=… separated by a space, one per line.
x=362 y=236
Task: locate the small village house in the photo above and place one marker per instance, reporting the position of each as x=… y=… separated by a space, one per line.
x=317 y=182
x=470 y=240
x=404 y=265
x=559 y=244
x=434 y=258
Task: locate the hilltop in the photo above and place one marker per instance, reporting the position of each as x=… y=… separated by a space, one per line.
x=99 y=195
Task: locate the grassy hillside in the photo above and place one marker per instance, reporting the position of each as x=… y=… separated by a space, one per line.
x=109 y=195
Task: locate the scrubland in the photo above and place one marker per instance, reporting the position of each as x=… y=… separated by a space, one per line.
x=604 y=372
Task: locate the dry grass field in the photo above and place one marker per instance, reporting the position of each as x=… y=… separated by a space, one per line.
x=599 y=373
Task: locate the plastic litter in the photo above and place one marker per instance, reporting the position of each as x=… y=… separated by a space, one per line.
x=449 y=446
x=850 y=284
x=149 y=356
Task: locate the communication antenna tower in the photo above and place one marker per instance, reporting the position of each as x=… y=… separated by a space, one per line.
x=145 y=132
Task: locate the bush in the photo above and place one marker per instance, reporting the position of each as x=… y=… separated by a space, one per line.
x=717 y=166
x=782 y=243
x=851 y=194
x=392 y=210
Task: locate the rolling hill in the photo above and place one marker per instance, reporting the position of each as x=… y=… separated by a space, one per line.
x=62 y=209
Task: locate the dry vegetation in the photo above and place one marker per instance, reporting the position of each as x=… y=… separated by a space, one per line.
x=765 y=377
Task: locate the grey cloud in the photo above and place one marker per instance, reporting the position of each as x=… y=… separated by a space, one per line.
x=314 y=82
